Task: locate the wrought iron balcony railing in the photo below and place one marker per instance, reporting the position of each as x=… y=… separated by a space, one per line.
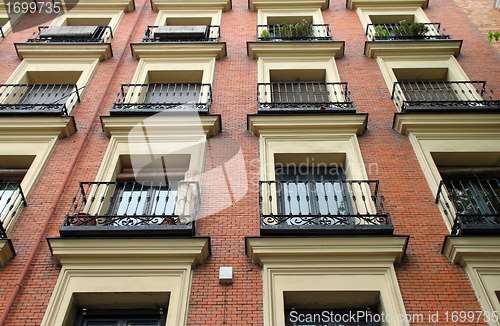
x=384 y=32
x=11 y=201
x=152 y=98
x=198 y=33
x=323 y=207
x=444 y=96
x=71 y=34
x=471 y=206
x=38 y=98
x=317 y=32
x=304 y=96
x=133 y=208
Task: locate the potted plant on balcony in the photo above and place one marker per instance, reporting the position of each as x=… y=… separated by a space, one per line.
x=403 y=30
x=299 y=30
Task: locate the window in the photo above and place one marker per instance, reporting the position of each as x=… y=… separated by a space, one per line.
x=314 y=191
x=473 y=190
x=324 y=273
x=140 y=286
x=143 y=317
x=438 y=84
x=41 y=85
x=155 y=193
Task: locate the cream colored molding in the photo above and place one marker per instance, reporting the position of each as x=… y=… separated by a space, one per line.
x=374 y=49
x=67 y=50
x=328 y=265
x=320 y=134
x=309 y=124
x=365 y=12
x=258 y=50
x=86 y=66
x=463 y=250
x=98 y=5
x=106 y=251
x=263 y=14
x=35 y=137
x=165 y=135
x=6 y=251
x=448 y=133
x=266 y=65
x=480 y=256
x=115 y=17
x=287 y=4
x=16 y=127
x=214 y=15
x=355 y=4
x=121 y=126
x=105 y=266
x=13 y=20
x=178 y=64
x=300 y=251
x=176 y=50
x=387 y=65
x=444 y=124
x=223 y=5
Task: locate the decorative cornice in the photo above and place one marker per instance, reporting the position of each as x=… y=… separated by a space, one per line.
x=461 y=122
x=263 y=250
x=98 y=5
x=373 y=49
x=325 y=124
x=294 y=49
x=64 y=50
x=354 y=4
x=175 y=124
x=223 y=5
x=288 y=4
x=461 y=250
x=133 y=251
x=36 y=127
x=176 y=49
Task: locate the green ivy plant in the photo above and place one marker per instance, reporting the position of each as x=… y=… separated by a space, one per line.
x=298 y=30
x=493 y=35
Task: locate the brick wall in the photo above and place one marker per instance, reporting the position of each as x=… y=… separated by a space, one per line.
x=428 y=281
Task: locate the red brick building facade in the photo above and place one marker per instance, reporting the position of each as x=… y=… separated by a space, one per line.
x=410 y=263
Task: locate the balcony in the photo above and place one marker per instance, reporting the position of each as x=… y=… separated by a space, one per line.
x=283 y=32
x=133 y=209
x=154 y=98
x=323 y=207
x=395 y=32
x=471 y=206
x=198 y=33
x=71 y=34
x=444 y=96
x=38 y=99
x=304 y=97
x=11 y=201
x=65 y=41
